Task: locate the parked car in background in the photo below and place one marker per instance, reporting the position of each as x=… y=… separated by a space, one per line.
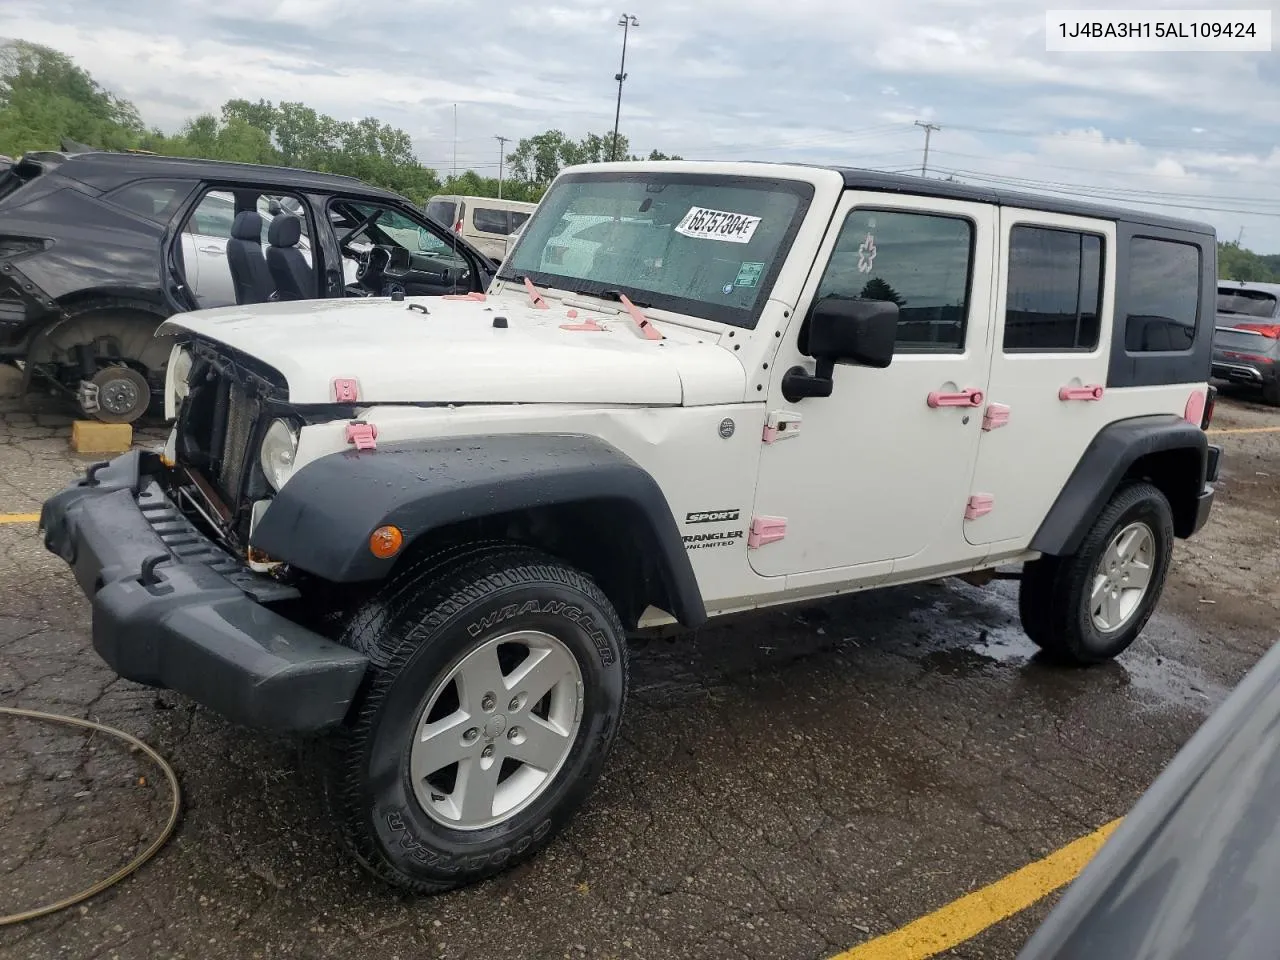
x=97 y=249
x=1246 y=343
x=488 y=223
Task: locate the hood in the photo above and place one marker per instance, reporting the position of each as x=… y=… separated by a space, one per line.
x=453 y=353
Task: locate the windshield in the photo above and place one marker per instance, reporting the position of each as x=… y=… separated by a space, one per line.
x=706 y=245
x=1248 y=303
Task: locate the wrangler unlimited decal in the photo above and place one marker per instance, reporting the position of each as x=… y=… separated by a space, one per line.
x=723 y=538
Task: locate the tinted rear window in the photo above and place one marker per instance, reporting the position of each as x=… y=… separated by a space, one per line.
x=1164 y=295
x=157 y=200
x=1247 y=303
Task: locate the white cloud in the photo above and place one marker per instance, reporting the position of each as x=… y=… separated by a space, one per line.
x=804 y=80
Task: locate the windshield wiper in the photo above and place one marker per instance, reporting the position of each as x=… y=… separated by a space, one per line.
x=617 y=296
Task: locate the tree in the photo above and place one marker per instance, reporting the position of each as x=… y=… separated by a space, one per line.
x=45 y=97
x=538 y=159
x=877 y=289
x=1237 y=263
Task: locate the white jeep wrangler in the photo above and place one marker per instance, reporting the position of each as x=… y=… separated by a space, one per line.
x=425 y=525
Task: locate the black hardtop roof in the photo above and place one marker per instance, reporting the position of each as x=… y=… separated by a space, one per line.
x=855 y=179
x=105 y=170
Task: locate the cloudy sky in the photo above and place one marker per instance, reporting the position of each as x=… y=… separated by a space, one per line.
x=1195 y=134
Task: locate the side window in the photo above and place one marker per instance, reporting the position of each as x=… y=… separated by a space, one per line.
x=444 y=212
x=518 y=220
x=1163 y=302
x=220 y=274
x=920 y=261
x=213 y=215
x=488 y=220
x=157 y=200
x=1055 y=290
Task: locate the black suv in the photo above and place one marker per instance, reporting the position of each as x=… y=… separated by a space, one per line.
x=96 y=249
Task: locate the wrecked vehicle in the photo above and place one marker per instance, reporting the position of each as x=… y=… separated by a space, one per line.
x=422 y=527
x=97 y=249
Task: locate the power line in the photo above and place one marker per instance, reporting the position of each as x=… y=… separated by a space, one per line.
x=1078 y=192
x=1120 y=190
x=1140 y=173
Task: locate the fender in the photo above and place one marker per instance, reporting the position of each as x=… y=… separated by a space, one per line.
x=1105 y=462
x=321 y=519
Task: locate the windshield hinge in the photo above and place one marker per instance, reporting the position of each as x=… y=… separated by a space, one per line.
x=779 y=425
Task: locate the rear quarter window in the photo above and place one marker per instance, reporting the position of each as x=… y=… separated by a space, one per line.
x=1164 y=286
x=156 y=200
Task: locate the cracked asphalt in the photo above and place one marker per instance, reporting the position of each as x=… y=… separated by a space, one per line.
x=788 y=784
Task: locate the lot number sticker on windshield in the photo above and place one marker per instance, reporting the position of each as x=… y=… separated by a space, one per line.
x=703 y=224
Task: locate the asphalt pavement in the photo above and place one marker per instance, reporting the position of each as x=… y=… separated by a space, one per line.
x=788 y=784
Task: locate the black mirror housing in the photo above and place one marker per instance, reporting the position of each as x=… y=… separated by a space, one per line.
x=859 y=332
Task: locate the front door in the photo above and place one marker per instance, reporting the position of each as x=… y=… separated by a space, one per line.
x=1048 y=370
x=879 y=471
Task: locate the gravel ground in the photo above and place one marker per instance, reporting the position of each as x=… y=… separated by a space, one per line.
x=788 y=784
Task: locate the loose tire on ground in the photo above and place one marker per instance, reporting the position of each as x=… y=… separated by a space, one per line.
x=418 y=631
x=1059 y=596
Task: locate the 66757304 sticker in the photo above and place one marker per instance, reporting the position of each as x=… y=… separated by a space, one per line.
x=702 y=223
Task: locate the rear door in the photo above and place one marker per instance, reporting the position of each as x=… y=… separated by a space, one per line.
x=1050 y=352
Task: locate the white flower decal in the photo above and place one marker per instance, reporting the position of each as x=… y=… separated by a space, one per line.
x=867 y=254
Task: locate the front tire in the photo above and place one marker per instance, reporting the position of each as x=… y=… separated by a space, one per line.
x=1089 y=607
x=497 y=686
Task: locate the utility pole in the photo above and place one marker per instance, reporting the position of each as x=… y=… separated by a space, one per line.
x=502 y=149
x=1239 y=236
x=626 y=22
x=928 y=128
x=455 y=141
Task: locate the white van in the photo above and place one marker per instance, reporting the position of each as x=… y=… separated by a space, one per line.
x=484 y=221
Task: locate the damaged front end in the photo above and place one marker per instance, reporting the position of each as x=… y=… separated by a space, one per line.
x=234 y=438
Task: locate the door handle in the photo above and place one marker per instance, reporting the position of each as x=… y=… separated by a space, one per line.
x=965 y=398
x=1089 y=392
x=211 y=250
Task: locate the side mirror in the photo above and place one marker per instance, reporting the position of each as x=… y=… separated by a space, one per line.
x=858 y=332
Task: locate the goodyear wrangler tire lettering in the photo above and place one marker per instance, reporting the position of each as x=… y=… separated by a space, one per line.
x=414 y=631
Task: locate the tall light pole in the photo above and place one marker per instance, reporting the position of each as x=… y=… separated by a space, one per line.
x=626 y=22
x=502 y=148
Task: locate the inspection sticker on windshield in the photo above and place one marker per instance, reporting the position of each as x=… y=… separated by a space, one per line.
x=703 y=224
x=749 y=273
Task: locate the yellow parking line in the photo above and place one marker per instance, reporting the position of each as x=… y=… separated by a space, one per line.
x=19 y=517
x=1248 y=430
x=965 y=918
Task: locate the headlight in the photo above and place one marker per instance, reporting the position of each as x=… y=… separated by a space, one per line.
x=279 y=447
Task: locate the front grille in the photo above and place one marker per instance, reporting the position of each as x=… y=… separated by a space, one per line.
x=237 y=437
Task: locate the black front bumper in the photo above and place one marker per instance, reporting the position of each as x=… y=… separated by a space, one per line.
x=172 y=609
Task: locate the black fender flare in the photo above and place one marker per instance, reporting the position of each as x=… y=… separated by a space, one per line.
x=321 y=519
x=1103 y=466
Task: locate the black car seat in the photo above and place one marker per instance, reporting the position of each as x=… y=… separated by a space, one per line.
x=288 y=268
x=249 y=274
